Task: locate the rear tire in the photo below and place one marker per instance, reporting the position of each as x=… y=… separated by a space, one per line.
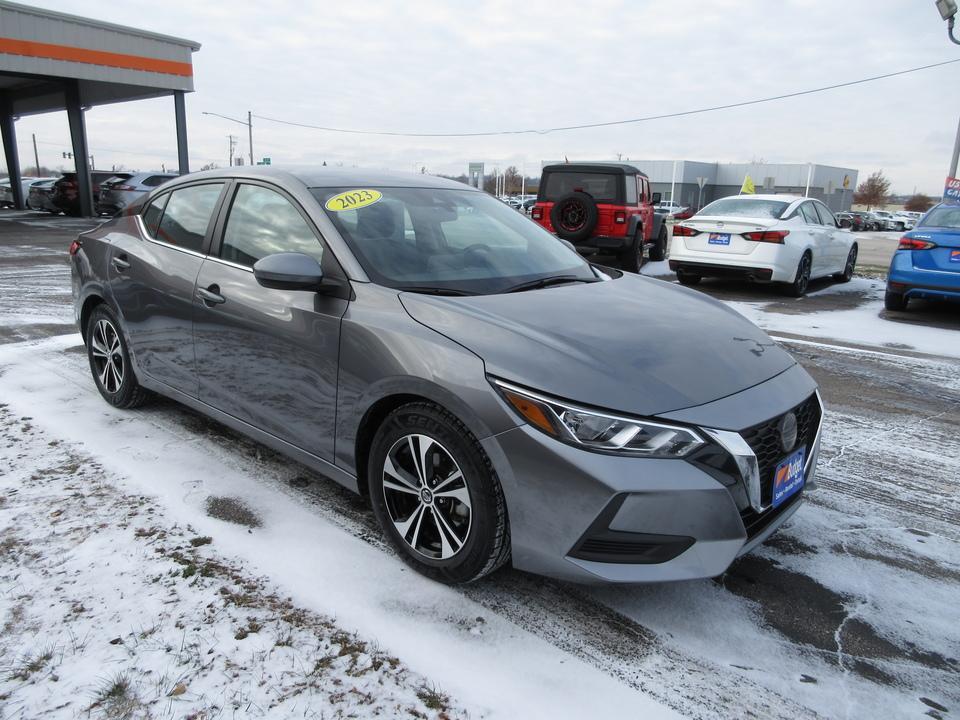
x=801 y=281
x=631 y=259
x=687 y=278
x=110 y=361
x=895 y=301
x=660 y=251
x=457 y=535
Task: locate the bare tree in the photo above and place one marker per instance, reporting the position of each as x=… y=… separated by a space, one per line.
x=918 y=203
x=874 y=192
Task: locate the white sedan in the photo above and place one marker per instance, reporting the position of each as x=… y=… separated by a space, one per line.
x=766 y=238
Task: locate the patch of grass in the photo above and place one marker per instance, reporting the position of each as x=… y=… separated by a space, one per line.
x=30 y=664
x=198 y=541
x=433 y=698
x=117 y=698
x=189 y=571
x=232 y=510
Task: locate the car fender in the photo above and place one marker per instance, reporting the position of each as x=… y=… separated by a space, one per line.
x=385 y=358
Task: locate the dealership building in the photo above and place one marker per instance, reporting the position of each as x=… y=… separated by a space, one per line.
x=833 y=185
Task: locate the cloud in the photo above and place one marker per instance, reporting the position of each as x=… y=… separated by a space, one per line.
x=460 y=66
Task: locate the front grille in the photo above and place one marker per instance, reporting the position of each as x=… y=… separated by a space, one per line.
x=764 y=440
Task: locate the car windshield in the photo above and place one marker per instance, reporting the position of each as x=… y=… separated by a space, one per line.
x=745 y=207
x=462 y=242
x=946 y=216
x=602 y=187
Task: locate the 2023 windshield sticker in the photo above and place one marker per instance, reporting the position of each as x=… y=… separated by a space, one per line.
x=353 y=200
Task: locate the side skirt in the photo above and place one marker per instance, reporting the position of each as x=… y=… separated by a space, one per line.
x=312 y=461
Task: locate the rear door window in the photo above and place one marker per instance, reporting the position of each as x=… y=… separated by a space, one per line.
x=826 y=217
x=187 y=216
x=151 y=216
x=809 y=214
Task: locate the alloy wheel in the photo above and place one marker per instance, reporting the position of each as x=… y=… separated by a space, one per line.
x=107 y=352
x=426 y=497
x=803 y=275
x=851 y=263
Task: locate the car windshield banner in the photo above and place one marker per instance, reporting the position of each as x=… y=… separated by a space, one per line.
x=951 y=193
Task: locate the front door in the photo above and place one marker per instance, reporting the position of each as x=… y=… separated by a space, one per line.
x=152 y=278
x=268 y=357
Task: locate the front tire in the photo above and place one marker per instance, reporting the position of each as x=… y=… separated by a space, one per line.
x=110 y=363
x=437 y=496
x=847 y=274
x=660 y=251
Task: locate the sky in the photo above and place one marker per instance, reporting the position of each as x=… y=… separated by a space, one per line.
x=460 y=66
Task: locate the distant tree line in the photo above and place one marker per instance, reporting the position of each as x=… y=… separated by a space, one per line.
x=874 y=192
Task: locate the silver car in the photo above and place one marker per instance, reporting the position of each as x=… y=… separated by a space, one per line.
x=122 y=189
x=495 y=397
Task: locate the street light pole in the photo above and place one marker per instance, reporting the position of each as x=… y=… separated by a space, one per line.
x=948 y=11
x=956 y=154
x=250 y=133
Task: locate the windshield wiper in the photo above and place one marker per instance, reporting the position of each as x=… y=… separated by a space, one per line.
x=547 y=281
x=432 y=290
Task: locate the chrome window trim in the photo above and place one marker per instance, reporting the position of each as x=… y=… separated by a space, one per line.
x=228 y=263
x=161 y=243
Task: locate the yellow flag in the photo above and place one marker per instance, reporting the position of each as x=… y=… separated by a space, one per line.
x=747 y=187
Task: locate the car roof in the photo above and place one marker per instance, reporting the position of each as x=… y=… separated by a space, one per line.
x=595 y=167
x=320 y=177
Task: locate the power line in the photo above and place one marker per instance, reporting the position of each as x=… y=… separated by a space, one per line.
x=647 y=118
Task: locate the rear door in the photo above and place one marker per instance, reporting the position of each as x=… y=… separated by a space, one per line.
x=820 y=238
x=153 y=276
x=269 y=357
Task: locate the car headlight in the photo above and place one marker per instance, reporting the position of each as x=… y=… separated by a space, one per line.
x=604 y=432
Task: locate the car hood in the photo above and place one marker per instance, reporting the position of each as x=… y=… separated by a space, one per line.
x=632 y=344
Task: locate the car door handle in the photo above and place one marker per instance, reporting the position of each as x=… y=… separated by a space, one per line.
x=120 y=263
x=211 y=295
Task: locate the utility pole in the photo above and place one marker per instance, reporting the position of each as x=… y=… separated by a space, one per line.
x=36 y=157
x=250 y=131
x=956 y=154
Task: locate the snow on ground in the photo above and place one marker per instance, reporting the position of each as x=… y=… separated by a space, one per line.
x=110 y=609
x=862 y=324
x=157 y=481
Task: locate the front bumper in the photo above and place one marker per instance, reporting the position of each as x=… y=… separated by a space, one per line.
x=591 y=517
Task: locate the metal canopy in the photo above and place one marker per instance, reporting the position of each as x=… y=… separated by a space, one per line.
x=52 y=61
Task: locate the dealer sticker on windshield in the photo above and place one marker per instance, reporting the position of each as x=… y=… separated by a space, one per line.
x=955 y=256
x=788 y=478
x=353 y=200
x=719 y=239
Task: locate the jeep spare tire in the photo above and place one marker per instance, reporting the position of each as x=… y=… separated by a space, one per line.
x=574 y=216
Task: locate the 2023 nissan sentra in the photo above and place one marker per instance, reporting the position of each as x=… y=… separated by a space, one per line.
x=493 y=394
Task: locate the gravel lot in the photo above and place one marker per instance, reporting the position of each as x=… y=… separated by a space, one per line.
x=850 y=611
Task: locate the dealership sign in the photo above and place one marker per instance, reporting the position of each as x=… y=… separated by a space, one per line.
x=952 y=190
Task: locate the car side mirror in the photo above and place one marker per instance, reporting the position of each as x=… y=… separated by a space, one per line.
x=655 y=200
x=288 y=271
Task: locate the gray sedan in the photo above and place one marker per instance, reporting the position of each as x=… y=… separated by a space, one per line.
x=495 y=397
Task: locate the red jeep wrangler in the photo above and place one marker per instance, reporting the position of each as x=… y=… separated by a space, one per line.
x=602 y=208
